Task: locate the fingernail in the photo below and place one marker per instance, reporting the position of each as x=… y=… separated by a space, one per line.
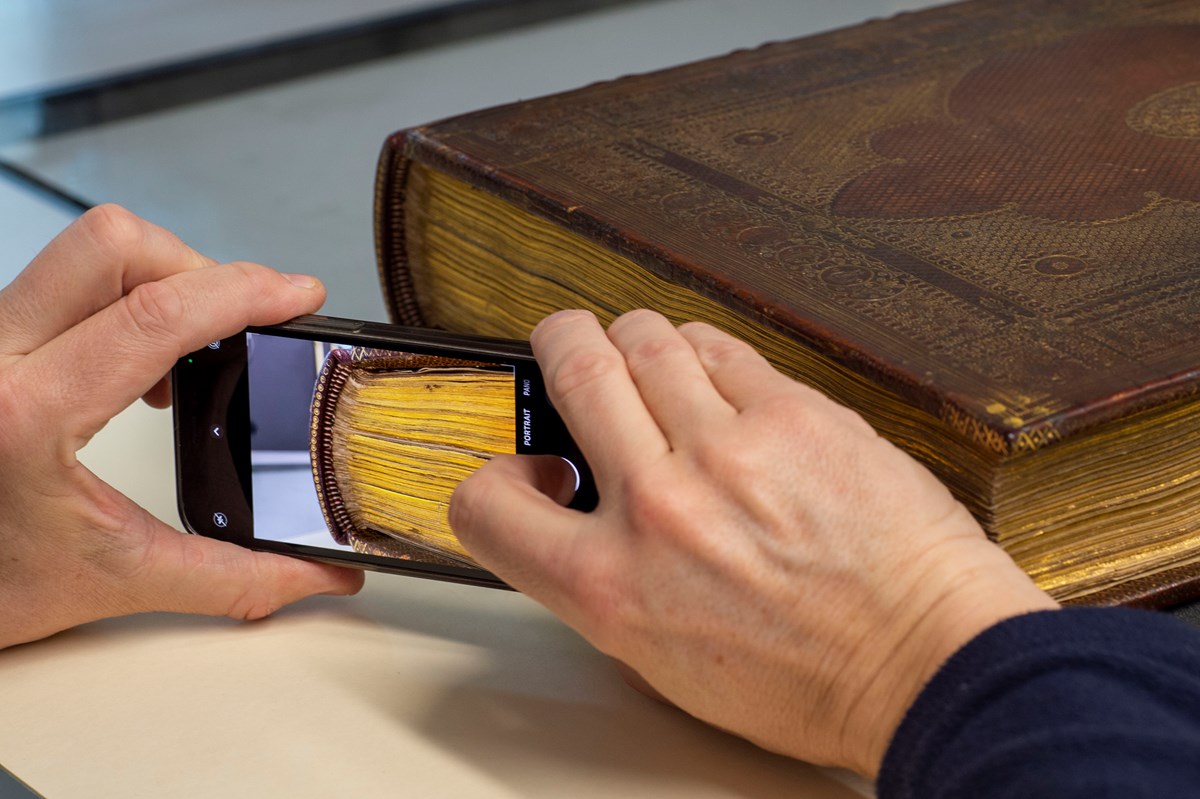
x=303 y=281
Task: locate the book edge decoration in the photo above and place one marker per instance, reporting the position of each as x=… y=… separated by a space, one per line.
x=1162 y=589
x=326 y=392
x=391 y=256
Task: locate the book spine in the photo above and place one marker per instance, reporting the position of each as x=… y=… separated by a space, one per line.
x=391 y=255
x=326 y=393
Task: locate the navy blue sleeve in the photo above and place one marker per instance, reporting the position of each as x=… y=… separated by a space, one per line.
x=1083 y=702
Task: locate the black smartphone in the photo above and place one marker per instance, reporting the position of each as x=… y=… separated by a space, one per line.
x=341 y=441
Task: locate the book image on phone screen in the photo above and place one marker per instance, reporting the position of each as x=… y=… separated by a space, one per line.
x=344 y=440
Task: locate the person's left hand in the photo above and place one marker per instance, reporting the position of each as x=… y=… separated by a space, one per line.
x=94 y=322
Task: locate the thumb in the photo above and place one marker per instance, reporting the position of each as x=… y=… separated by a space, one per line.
x=192 y=574
x=509 y=515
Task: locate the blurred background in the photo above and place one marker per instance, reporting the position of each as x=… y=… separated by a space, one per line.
x=251 y=127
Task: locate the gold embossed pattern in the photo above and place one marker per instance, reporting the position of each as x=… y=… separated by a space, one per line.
x=1172 y=114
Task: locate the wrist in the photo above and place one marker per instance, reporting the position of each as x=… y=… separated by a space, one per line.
x=966 y=587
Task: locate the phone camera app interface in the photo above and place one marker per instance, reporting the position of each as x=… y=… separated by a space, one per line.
x=359 y=449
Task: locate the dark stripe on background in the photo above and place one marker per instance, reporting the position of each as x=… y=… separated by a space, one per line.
x=157 y=88
x=13 y=788
x=42 y=187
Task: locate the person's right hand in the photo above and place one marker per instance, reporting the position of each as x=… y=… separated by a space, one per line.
x=96 y=321
x=759 y=555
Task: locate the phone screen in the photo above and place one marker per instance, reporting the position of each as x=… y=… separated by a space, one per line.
x=349 y=450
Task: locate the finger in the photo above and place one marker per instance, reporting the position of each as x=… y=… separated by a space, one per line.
x=159 y=395
x=736 y=369
x=590 y=386
x=553 y=476
x=100 y=366
x=744 y=377
x=91 y=264
x=673 y=383
x=508 y=518
x=193 y=574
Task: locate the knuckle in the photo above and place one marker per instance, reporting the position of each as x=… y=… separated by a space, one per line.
x=252 y=604
x=721 y=457
x=154 y=310
x=113 y=227
x=791 y=405
x=650 y=353
x=854 y=419
x=583 y=369
x=716 y=352
x=788 y=418
x=658 y=506
x=259 y=594
x=250 y=281
x=694 y=326
x=633 y=317
x=558 y=319
x=814 y=412
x=247 y=270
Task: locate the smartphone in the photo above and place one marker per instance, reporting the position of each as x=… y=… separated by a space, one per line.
x=340 y=440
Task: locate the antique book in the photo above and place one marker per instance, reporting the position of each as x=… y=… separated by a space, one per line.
x=392 y=435
x=978 y=225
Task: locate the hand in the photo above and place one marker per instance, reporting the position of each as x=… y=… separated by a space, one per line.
x=759 y=555
x=94 y=322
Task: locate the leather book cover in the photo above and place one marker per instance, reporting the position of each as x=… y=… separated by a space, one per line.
x=990 y=209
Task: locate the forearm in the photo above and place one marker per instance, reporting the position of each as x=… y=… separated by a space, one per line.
x=1076 y=703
